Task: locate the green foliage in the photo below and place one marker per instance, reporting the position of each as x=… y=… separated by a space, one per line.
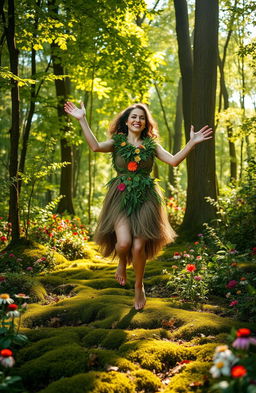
x=236 y=209
x=215 y=270
x=63 y=234
x=234 y=367
x=23 y=283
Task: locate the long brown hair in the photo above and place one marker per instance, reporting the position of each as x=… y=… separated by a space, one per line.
x=119 y=123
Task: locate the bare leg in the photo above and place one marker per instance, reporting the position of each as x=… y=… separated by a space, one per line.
x=123 y=246
x=139 y=262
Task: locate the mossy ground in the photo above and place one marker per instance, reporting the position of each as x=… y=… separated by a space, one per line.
x=92 y=340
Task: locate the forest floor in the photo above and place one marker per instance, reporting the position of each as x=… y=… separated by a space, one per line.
x=86 y=336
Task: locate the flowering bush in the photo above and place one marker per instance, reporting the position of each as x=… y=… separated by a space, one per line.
x=10 y=337
x=188 y=278
x=65 y=235
x=10 y=262
x=5 y=230
x=235 y=368
x=202 y=270
x=175 y=210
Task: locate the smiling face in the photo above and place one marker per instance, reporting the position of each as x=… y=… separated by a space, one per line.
x=136 y=121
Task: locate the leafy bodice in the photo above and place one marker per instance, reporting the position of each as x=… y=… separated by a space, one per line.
x=133 y=165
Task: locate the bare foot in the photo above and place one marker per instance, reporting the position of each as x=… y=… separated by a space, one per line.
x=140 y=298
x=120 y=275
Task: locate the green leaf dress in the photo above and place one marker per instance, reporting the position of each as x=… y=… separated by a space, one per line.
x=135 y=197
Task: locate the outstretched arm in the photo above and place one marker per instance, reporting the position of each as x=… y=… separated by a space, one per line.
x=195 y=137
x=79 y=114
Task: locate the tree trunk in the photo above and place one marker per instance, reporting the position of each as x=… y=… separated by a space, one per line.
x=15 y=129
x=185 y=60
x=66 y=182
x=33 y=95
x=232 y=148
x=201 y=168
x=177 y=133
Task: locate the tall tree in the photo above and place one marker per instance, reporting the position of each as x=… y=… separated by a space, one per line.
x=201 y=163
x=185 y=60
x=225 y=95
x=61 y=86
x=9 y=30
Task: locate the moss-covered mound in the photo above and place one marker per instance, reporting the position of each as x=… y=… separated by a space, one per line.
x=91 y=339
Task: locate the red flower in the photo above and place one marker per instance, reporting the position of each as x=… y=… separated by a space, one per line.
x=6 y=353
x=75 y=233
x=191 y=267
x=233 y=303
x=243 y=332
x=238 y=371
x=12 y=307
x=196 y=243
x=254 y=251
x=3 y=239
x=132 y=166
x=232 y=284
x=185 y=361
x=121 y=187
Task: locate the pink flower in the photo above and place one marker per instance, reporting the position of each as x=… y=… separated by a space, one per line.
x=11 y=255
x=121 y=187
x=243 y=339
x=233 y=303
x=200 y=235
x=232 y=284
x=29 y=268
x=198 y=278
x=176 y=255
x=233 y=251
x=199 y=257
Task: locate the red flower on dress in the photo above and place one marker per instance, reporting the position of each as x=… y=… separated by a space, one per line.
x=191 y=267
x=238 y=371
x=121 y=187
x=132 y=166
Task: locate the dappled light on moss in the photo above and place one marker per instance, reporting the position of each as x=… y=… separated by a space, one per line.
x=91 y=339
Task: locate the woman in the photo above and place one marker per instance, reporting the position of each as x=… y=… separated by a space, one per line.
x=133 y=223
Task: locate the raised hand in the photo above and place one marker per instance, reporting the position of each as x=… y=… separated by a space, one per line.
x=74 y=111
x=202 y=135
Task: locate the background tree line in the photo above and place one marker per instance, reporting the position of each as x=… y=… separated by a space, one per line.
x=192 y=62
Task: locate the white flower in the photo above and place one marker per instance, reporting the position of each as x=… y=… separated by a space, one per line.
x=5 y=299
x=12 y=314
x=6 y=358
x=22 y=296
x=220 y=367
x=226 y=355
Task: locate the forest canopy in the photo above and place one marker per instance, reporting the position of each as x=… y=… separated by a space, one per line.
x=192 y=62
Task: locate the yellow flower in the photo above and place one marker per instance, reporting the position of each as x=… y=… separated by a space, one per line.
x=137 y=158
x=123 y=143
x=137 y=151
